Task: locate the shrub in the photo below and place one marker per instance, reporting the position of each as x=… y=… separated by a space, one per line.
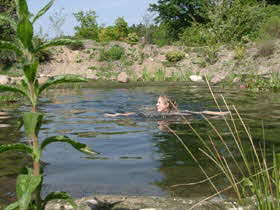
x=239 y=52
x=195 y=35
x=113 y=54
x=88 y=25
x=271 y=28
x=79 y=45
x=174 y=56
x=132 y=38
x=107 y=34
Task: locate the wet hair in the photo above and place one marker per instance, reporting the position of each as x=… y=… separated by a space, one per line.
x=171 y=103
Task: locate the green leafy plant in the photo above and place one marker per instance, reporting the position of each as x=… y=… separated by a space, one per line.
x=174 y=56
x=132 y=38
x=24 y=46
x=112 y=54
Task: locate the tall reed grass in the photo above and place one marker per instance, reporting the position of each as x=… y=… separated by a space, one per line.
x=252 y=175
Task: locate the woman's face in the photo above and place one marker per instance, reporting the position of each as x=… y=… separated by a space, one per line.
x=161 y=105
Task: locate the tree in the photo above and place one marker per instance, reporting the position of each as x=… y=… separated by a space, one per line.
x=178 y=14
x=88 y=27
x=57 y=20
x=121 y=28
x=7 y=9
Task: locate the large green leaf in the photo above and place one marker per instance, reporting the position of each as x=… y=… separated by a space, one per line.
x=13 y=206
x=4 y=45
x=32 y=123
x=18 y=146
x=30 y=71
x=43 y=11
x=60 y=80
x=22 y=9
x=77 y=145
x=61 y=196
x=26 y=185
x=10 y=21
x=7 y=88
x=25 y=33
x=56 y=42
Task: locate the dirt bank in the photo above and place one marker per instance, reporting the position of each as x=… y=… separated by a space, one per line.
x=149 y=62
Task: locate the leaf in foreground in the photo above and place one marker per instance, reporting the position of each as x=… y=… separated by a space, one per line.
x=77 y=145
x=18 y=146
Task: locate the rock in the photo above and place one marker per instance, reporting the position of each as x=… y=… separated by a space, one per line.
x=123 y=77
x=219 y=77
x=5 y=80
x=42 y=80
x=196 y=78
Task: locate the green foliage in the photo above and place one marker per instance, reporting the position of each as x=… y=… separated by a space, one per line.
x=132 y=38
x=78 y=45
x=107 y=34
x=271 y=28
x=233 y=23
x=239 y=52
x=196 y=35
x=179 y=14
x=113 y=54
x=88 y=27
x=159 y=35
x=27 y=48
x=174 y=56
x=121 y=28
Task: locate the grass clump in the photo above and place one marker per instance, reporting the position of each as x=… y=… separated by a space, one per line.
x=112 y=54
x=248 y=172
x=174 y=56
x=79 y=45
x=265 y=48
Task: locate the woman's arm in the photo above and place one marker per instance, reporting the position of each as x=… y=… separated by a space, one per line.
x=215 y=113
x=119 y=114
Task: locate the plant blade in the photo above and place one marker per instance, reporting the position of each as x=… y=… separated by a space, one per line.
x=12 y=206
x=7 y=88
x=56 y=42
x=32 y=123
x=43 y=11
x=77 y=145
x=26 y=184
x=22 y=9
x=59 y=195
x=60 y=80
x=25 y=32
x=18 y=146
x=4 y=45
x=30 y=71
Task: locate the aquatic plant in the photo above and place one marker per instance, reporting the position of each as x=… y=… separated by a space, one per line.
x=29 y=183
x=253 y=177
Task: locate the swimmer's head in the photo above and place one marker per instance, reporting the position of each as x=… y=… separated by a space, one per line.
x=164 y=104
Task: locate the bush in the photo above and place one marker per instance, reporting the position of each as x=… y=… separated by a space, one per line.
x=174 y=56
x=132 y=38
x=271 y=28
x=107 y=34
x=195 y=35
x=113 y=54
x=76 y=46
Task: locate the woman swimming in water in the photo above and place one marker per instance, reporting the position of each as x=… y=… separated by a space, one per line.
x=166 y=106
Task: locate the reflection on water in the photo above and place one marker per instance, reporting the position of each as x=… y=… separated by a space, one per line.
x=138 y=155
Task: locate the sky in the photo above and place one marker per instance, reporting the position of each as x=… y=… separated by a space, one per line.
x=106 y=10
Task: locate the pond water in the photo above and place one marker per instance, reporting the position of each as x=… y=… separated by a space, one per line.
x=138 y=155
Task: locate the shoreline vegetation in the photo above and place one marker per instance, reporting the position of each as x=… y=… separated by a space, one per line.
x=229 y=43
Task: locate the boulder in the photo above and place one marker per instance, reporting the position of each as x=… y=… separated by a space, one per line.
x=196 y=78
x=5 y=80
x=123 y=77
